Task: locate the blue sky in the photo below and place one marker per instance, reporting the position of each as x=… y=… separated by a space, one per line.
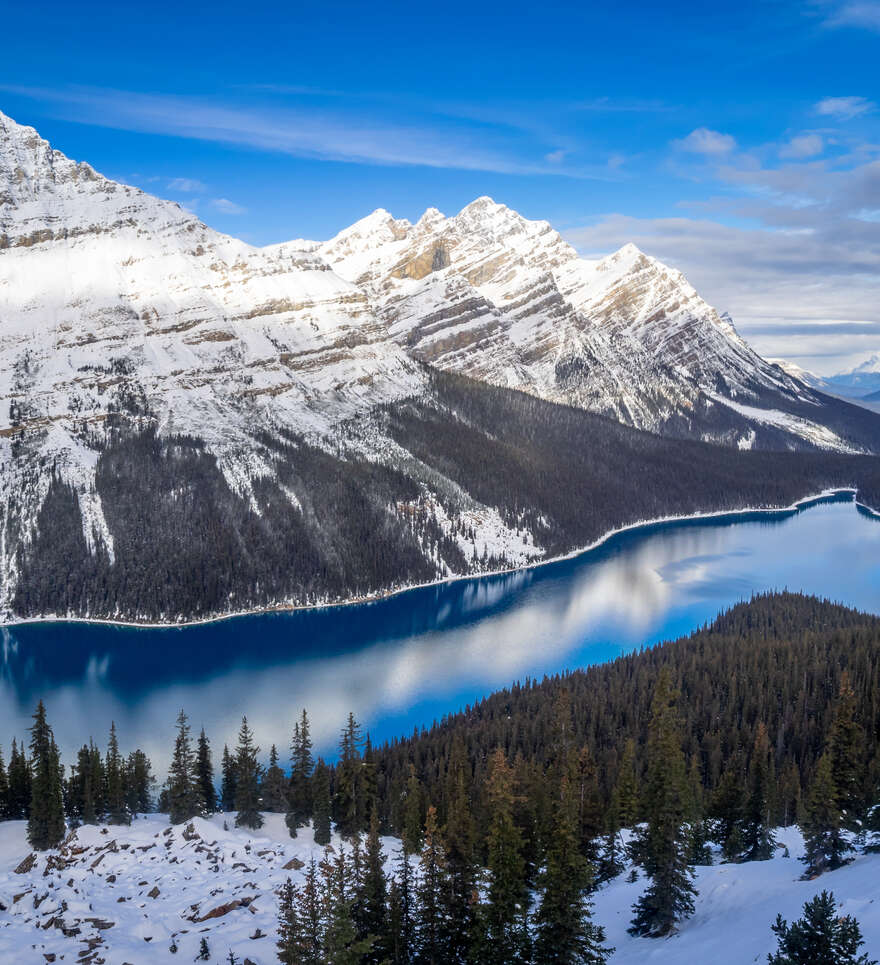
x=739 y=142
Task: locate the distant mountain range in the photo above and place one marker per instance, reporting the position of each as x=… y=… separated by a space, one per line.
x=133 y=338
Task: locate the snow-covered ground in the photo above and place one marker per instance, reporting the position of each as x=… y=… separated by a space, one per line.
x=127 y=892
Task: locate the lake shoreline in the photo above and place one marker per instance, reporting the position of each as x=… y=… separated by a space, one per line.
x=380 y=595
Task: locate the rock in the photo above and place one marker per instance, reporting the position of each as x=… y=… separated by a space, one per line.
x=294 y=865
x=154 y=892
x=27 y=865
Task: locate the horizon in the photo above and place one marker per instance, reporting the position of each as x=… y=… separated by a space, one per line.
x=743 y=150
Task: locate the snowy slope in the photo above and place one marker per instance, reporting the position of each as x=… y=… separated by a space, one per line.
x=103 y=885
x=500 y=298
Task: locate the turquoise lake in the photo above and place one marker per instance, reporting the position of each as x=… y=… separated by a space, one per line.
x=401 y=662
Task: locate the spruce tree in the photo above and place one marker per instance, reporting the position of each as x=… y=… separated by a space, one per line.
x=290 y=938
x=183 y=797
x=247 y=780
x=402 y=911
x=756 y=836
x=302 y=765
x=274 y=787
x=205 y=774
x=321 y=792
x=413 y=813
x=373 y=898
x=508 y=898
x=19 y=777
x=349 y=802
x=825 y=847
x=341 y=943
x=726 y=808
x=821 y=937
x=117 y=807
x=625 y=801
x=432 y=890
x=310 y=918
x=847 y=750
x=4 y=791
x=139 y=783
x=664 y=844
x=45 y=827
x=565 y=933
x=227 y=785
x=460 y=839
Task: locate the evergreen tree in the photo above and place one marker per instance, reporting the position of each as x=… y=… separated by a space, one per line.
x=726 y=808
x=565 y=933
x=373 y=897
x=247 y=780
x=302 y=765
x=4 y=791
x=19 y=777
x=290 y=938
x=508 y=899
x=310 y=918
x=139 y=783
x=664 y=843
x=227 y=785
x=349 y=803
x=824 y=844
x=183 y=797
x=460 y=839
x=321 y=791
x=432 y=929
x=117 y=807
x=756 y=835
x=45 y=827
x=341 y=943
x=846 y=748
x=821 y=937
x=625 y=802
x=402 y=912
x=205 y=774
x=413 y=814
x=274 y=786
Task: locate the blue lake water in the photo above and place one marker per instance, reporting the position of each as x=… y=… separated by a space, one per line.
x=403 y=661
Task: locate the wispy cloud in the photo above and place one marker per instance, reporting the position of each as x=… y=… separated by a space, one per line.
x=863 y=14
x=803 y=146
x=225 y=206
x=308 y=132
x=844 y=108
x=186 y=185
x=707 y=142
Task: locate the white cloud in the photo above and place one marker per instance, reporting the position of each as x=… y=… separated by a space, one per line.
x=555 y=157
x=187 y=185
x=803 y=146
x=708 y=142
x=225 y=206
x=859 y=13
x=844 y=108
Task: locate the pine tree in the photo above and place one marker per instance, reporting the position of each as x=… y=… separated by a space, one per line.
x=227 y=785
x=756 y=835
x=139 y=783
x=247 y=780
x=508 y=899
x=4 y=791
x=310 y=918
x=460 y=839
x=820 y=937
x=273 y=789
x=302 y=765
x=341 y=943
x=565 y=933
x=664 y=843
x=413 y=813
x=205 y=774
x=402 y=911
x=19 y=777
x=349 y=802
x=846 y=746
x=45 y=827
x=824 y=844
x=373 y=898
x=726 y=808
x=626 y=792
x=183 y=798
x=321 y=791
x=290 y=939
x=432 y=929
x=117 y=807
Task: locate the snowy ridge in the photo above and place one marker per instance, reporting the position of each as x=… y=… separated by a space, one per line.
x=127 y=893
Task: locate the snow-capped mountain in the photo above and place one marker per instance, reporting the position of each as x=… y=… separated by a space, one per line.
x=158 y=375
x=507 y=300
x=861 y=380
